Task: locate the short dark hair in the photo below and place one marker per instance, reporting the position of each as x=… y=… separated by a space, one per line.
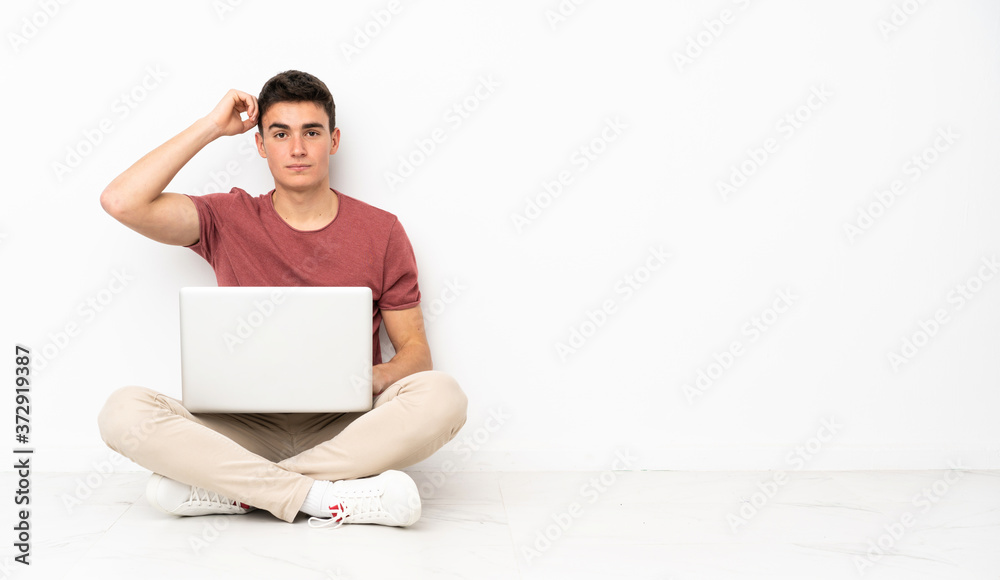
x=295 y=86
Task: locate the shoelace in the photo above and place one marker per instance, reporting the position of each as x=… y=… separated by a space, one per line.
x=337 y=517
x=199 y=496
x=352 y=504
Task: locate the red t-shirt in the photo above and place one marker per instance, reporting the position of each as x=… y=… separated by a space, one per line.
x=249 y=244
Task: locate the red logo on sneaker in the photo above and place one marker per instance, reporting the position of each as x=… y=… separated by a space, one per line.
x=336 y=511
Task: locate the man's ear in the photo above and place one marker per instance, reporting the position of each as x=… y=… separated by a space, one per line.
x=335 y=140
x=260 y=144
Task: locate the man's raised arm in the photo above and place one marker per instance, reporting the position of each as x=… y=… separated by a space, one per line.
x=136 y=197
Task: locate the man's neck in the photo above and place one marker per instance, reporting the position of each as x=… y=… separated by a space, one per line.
x=311 y=210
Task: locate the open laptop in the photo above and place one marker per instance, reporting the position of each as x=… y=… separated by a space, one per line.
x=276 y=349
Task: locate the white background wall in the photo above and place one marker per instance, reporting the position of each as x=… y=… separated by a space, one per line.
x=888 y=92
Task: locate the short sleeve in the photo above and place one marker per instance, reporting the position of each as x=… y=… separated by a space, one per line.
x=399 y=274
x=208 y=220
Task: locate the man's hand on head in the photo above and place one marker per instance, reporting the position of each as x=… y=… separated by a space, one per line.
x=138 y=197
x=226 y=115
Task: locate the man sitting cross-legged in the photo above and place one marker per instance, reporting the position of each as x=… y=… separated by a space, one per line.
x=343 y=467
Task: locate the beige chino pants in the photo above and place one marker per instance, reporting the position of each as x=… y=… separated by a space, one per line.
x=270 y=460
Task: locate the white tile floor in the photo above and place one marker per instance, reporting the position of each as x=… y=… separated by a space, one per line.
x=663 y=525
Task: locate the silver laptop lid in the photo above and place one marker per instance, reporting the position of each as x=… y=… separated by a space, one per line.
x=276 y=349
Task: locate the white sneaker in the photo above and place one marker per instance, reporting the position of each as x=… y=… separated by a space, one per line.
x=388 y=499
x=180 y=499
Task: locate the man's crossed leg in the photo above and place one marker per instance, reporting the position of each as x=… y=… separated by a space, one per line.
x=288 y=462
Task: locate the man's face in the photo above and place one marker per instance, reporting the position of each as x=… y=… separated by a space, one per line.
x=297 y=144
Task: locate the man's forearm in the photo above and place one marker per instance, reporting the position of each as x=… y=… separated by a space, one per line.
x=146 y=179
x=408 y=360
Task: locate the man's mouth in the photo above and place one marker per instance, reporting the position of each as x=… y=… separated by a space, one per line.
x=298 y=167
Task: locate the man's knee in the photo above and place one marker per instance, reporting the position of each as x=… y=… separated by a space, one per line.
x=124 y=420
x=449 y=398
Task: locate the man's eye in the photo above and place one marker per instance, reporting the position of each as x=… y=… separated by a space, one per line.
x=279 y=135
x=313 y=133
